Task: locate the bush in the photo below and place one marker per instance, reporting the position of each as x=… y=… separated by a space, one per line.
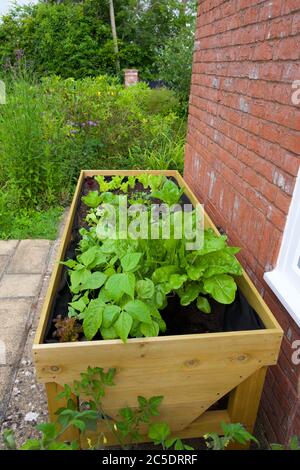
x=51 y=130
x=175 y=62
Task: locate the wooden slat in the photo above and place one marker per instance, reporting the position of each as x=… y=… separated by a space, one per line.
x=244 y=402
x=57 y=269
x=164 y=366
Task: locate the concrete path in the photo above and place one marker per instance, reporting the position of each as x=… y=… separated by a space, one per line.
x=22 y=268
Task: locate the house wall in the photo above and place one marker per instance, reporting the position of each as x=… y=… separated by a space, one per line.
x=243 y=154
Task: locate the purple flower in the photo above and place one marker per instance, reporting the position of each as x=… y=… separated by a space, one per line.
x=92 y=123
x=73 y=131
x=19 y=54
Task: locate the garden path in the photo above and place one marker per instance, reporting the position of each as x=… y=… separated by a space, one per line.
x=25 y=270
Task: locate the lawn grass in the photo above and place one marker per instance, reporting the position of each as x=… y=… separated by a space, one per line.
x=32 y=224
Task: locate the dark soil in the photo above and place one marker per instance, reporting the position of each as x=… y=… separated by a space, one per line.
x=179 y=320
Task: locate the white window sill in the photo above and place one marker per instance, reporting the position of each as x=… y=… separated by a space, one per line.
x=286 y=291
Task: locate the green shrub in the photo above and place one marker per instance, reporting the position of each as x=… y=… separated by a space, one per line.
x=175 y=62
x=51 y=130
x=74 y=39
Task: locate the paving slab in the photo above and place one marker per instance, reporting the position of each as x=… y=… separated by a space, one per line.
x=19 y=285
x=7 y=247
x=30 y=257
x=3 y=262
x=14 y=315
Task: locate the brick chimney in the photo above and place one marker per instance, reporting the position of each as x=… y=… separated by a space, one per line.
x=131 y=77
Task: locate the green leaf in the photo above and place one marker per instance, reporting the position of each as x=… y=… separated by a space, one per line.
x=130 y=261
x=80 y=304
x=109 y=333
x=155 y=401
x=79 y=424
x=160 y=296
x=190 y=293
x=93 y=281
x=138 y=310
x=31 y=444
x=158 y=432
x=203 y=304
x=93 y=199
x=170 y=193
x=92 y=257
x=157 y=317
x=294 y=443
x=149 y=330
x=92 y=318
x=219 y=262
x=195 y=271
x=48 y=429
x=179 y=445
x=119 y=284
x=88 y=256
x=163 y=273
x=123 y=326
x=78 y=277
x=70 y=263
x=110 y=314
x=170 y=442
x=277 y=447
x=145 y=288
x=9 y=439
x=221 y=287
x=59 y=446
x=176 y=281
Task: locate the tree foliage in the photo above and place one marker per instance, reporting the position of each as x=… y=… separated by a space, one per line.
x=74 y=38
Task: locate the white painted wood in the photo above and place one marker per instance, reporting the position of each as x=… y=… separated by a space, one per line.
x=284 y=280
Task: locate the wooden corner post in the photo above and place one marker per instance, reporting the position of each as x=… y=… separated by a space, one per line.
x=244 y=402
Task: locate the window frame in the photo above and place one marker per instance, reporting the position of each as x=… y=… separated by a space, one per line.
x=284 y=279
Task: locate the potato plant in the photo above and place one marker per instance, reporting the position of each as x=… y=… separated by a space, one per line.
x=120 y=285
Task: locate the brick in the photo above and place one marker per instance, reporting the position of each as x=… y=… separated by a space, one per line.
x=291 y=141
x=289 y=7
x=288 y=48
x=279 y=28
x=282 y=201
x=296 y=23
x=276 y=217
x=269 y=10
x=263 y=51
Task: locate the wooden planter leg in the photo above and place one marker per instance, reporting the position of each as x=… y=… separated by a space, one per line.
x=52 y=390
x=244 y=402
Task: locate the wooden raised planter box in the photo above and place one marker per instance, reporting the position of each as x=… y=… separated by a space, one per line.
x=192 y=372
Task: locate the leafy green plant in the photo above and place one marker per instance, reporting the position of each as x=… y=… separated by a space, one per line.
x=160 y=434
x=120 y=285
x=233 y=432
x=294 y=444
x=126 y=428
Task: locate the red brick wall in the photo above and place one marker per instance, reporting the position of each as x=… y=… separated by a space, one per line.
x=243 y=153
